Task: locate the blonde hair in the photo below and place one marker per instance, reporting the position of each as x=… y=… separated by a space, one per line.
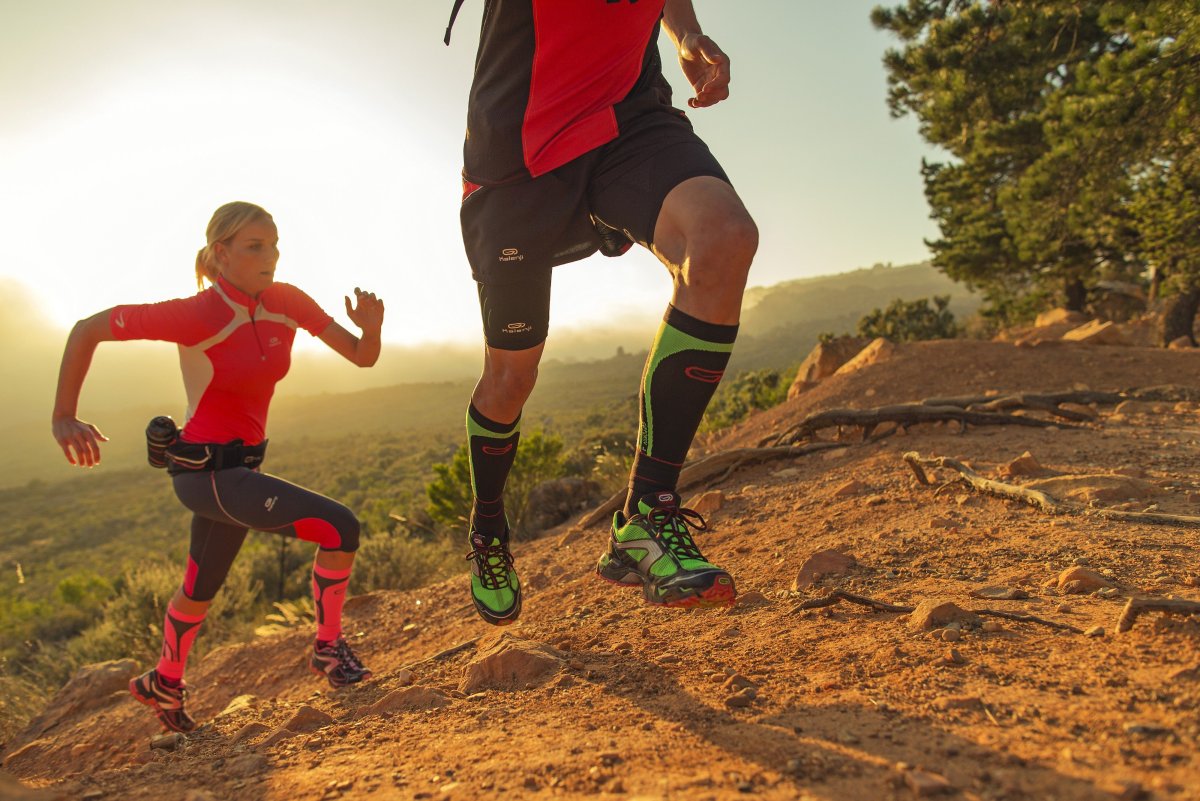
x=224 y=225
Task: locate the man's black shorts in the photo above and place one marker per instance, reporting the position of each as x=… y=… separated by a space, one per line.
x=604 y=201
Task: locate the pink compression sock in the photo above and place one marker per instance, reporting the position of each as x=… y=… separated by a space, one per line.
x=179 y=632
x=329 y=593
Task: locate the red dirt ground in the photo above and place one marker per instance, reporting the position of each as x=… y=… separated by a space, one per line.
x=851 y=703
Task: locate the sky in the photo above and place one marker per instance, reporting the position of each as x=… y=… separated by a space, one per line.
x=125 y=123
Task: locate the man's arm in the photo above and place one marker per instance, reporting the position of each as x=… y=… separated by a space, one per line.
x=704 y=64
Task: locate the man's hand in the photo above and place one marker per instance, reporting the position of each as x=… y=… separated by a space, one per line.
x=706 y=68
x=368 y=313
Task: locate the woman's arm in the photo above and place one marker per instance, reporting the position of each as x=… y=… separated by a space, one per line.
x=71 y=433
x=367 y=315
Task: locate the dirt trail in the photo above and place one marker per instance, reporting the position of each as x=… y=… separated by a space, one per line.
x=851 y=704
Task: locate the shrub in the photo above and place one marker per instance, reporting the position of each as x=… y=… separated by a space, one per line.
x=909 y=321
x=748 y=392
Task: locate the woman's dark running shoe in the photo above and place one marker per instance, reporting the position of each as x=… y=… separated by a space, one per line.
x=336 y=662
x=495 y=588
x=167 y=702
x=655 y=550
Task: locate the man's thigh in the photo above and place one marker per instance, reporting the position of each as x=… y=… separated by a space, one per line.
x=634 y=174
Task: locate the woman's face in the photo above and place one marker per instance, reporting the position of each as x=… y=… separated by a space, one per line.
x=248 y=260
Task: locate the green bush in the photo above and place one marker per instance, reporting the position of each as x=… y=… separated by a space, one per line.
x=397 y=560
x=909 y=321
x=539 y=458
x=748 y=392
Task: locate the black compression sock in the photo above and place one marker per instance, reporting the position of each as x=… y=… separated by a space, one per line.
x=492 y=447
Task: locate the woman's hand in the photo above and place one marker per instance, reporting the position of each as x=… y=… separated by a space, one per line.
x=367 y=312
x=83 y=438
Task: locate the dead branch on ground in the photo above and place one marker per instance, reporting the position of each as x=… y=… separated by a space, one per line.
x=1050 y=402
x=1036 y=498
x=1170 y=606
x=880 y=606
x=905 y=415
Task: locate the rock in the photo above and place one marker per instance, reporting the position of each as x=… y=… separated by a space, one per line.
x=92 y=687
x=739 y=700
x=1096 y=332
x=249 y=730
x=1100 y=488
x=849 y=489
x=407 y=698
x=167 y=742
x=238 y=704
x=1186 y=673
x=410 y=630
x=1025 y=465
x=924 y=783
x=278 y=735
x=820 y=564
x=1180 y=343
x=1080 y=409
x=947 y=702
x=951 y=635
x=556 y=501
x=404 y=677
x=244 y=766
x=880 y=350
x=953 y=657
x=1058 y=316
x=509 y=662
x=738 y=682
x=1000 y=594
x=942 y=522
x=1131 y=408
x=706 y=503
x=307 y=719
x=992 y=626
x=1094 y=631
x=825 y=359
x=753 y=598
x=935 y=613
x=1079 y=579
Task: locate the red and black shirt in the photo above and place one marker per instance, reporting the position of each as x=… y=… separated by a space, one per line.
x=554 y=79
x=233 y=349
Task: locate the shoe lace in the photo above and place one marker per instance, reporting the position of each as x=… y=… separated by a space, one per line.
x=346 y=658
x=671 y=523
x=494 y=563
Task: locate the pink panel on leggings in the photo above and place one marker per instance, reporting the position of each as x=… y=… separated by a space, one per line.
x=189 y=578
x=322 y=532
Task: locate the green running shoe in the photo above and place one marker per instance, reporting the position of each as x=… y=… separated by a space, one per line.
x=654 y=549
x=495 y=588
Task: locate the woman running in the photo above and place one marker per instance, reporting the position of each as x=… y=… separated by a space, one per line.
x=235 y=341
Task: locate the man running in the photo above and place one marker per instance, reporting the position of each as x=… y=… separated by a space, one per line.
x=573 y=147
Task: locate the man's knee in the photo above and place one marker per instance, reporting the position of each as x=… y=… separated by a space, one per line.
x=511 y=379
x=720 y=250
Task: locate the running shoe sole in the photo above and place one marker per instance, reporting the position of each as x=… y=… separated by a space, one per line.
x=720 y=593
x=318 y=672
x=498 y=620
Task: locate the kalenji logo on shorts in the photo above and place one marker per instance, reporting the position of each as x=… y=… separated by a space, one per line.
x=511 y=254
x=701 y=374
x=490 y=451
x=517 y=328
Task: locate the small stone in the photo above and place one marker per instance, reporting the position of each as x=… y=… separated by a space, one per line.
x=1095 y=631
x=252 y=729
x=404 y=677
x=1064 y=608
x=738 y=682
x=953 y=657
x=753 y=598
x=875 y=500
x=244 y=766
x=411 y=630
x=849 y=489
x=924 y=783
x=167 y=742
x=239 y=704
x=738 y=701
x=1000 y=594
x=935 y=613
x=951 y=635
x=707 y=503
x=942 y=522
x=992 y=626
x=1080 y=579
x=947 y=702
x=820 y=564
x=276 y=737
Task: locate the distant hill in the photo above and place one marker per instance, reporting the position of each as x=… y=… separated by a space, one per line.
x=419 y=389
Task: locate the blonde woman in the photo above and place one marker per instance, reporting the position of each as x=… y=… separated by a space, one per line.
x=235 y=341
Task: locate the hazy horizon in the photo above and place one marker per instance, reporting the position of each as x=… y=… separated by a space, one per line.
x=127 y=122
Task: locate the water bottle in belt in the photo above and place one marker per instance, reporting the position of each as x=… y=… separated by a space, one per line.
x=160 y=435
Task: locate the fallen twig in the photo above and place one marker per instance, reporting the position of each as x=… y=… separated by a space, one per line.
x=905 y=415
x=1170 y=606
x=841 y=595
x=1036 y=498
